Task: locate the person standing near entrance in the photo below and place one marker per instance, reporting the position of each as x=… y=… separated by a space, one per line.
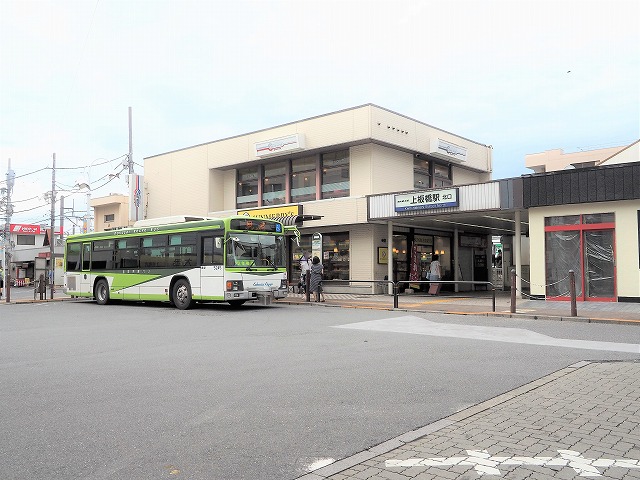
x=1 y=281
x=435 y=273
x=305 y=268
x=316 y=279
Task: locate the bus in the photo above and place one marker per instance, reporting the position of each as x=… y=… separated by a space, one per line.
x=181 y=261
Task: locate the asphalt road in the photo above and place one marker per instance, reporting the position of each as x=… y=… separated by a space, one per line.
x=148 y=392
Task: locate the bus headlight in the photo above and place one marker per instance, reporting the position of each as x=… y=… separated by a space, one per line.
x=234 y=285
x=284 y=284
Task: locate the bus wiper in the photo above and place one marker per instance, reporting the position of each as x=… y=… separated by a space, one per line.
x=253 y=262
x=269 y=262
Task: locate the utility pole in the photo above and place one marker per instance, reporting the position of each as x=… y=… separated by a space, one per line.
x=7 y=232
x=52 y=242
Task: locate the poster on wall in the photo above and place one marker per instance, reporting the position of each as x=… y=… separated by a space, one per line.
x=383 y=255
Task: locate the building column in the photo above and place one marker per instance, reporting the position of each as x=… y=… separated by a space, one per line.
x=456 y=261
x=390 y=255
x=517 y=249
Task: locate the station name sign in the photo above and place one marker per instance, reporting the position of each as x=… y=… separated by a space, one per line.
x=427 y=200
x=276 y=146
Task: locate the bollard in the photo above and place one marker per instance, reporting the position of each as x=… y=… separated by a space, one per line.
x=307 y=285
x=572 y=292
x=42 y=287
x=513 y=290
x=395 y=295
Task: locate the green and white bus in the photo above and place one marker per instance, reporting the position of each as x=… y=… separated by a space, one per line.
x=180 y=260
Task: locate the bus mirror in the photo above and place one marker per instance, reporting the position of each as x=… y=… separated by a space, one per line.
x=218 y=242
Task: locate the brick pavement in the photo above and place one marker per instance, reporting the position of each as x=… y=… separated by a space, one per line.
x=582 y=421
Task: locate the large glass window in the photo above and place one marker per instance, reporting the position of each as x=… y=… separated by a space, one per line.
x=335 y=174
x=247 y=187
x=303 y=179
x=441 y=176
x=274 y=184
x=128 y=253
x=102 y=257
x=421 y=174
x=26 y=240
x=182 y=250
x=154 y=252
x=584 y=244
x=335 y=255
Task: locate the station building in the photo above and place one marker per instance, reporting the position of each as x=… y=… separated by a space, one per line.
x=376 y=195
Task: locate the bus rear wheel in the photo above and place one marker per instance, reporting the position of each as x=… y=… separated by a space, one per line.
x=101 y=292
x=182 y=294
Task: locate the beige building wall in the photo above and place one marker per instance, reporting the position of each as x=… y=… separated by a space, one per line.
x=554 y=160
x=116 y=205
x=626 y=216
x=201 y=179
x=460 y=176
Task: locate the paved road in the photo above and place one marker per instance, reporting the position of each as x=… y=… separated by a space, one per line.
x=146 y=391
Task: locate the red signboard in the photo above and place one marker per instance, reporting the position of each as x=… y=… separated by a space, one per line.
x=26 y=229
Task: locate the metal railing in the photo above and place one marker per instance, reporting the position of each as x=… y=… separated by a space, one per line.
x=572 y=291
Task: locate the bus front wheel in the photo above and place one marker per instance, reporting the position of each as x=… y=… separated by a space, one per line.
x=182 y=294
x=101 y=292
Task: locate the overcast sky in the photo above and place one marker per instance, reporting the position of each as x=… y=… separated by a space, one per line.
x=522 y=75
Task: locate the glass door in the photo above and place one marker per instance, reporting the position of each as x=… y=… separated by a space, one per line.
x=599 y=265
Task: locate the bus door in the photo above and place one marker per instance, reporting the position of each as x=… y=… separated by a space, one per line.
x=85 y=277
x=211 y=267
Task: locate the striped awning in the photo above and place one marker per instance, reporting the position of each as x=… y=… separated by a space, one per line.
x=295 y=220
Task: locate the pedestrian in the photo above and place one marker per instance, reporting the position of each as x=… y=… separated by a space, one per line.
x=435 y=273
x=316 y=279
x=1 y=281
x=305 y=267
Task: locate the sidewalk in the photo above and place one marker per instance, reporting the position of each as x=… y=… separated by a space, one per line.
x=582 y=421
x=474 y=303
x=480 y=303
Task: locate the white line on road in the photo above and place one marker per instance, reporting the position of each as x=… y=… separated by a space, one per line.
x=420 y=326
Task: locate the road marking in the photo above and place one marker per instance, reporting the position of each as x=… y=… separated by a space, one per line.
x=420 y=326
x=319 y=463
x=485 y=464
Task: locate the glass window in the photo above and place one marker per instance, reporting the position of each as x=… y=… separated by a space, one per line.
x=441 y=176
x=303 y=179
x=102 y=257
x=274 y=184
x=154 y=252
x=247 y=187
x=335 y=174
x=335 y=255
x=26 y=240
x=86 y=256
x=598 y=218
x=73 y=257
x=110 y=217
x=128 y=253
x=212 y=252
x=566 y=220
x=421 y=175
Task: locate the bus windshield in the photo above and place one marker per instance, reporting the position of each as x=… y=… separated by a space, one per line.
x=250 y=250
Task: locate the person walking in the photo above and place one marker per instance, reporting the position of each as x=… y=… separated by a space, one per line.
x=316 y=279
x=305 y=267
x=1 y=281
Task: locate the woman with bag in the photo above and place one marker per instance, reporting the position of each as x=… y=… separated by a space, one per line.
x=316 y=279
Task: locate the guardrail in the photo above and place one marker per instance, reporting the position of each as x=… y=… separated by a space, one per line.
x=397 y=284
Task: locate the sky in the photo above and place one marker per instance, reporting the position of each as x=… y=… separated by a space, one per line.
x=524 y=76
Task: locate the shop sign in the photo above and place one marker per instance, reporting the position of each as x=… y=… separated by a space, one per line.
x=473 y=241
x=23 y=229
x=276 y=146
x=447 y=150
x=427 y=200
x=273 y=212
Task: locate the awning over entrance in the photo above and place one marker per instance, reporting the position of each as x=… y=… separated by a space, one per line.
x=295 y=220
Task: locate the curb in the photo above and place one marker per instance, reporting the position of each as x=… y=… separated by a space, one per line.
x=524 y=316
x=400 y=440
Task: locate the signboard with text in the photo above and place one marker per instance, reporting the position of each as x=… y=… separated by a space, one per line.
x=427 y=200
